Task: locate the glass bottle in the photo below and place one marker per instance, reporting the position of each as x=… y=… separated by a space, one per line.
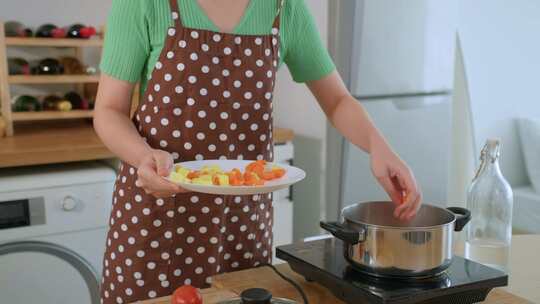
x=490 y=201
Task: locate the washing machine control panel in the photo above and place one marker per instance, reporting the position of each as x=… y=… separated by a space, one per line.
x=22 y=212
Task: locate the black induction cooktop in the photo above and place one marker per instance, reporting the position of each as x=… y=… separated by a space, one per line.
x=322 y=261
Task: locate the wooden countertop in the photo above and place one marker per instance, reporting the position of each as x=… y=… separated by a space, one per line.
x=58 y=142
x=524 y=267
x=524 y=280
x=66 y=141
x=229 y=285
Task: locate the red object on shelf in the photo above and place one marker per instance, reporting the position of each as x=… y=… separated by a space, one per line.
x=58 y=33
x=88 y=31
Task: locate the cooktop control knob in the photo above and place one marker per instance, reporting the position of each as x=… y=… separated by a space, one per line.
x=69 y=203
x=256 y=296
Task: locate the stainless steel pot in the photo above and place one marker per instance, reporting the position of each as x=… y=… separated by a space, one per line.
x=379 y=244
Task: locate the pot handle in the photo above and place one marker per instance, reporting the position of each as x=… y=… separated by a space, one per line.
x=463 y=216
x=343 y=233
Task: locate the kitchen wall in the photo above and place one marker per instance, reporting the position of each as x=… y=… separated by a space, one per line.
x=37 y=12
x=295 y=108
x=501 y=64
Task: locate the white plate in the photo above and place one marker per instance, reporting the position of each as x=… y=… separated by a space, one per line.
x=292 y=175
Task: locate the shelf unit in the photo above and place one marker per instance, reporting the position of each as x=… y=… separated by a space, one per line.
x=6 y=80
x=51 y=115
x=52 y=79
x=54 y=42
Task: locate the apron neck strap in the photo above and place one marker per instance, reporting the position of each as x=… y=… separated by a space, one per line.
x=175 y=13
x=277 y=20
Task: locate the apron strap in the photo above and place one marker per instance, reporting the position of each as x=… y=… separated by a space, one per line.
x=175 y=13
x=277 y=20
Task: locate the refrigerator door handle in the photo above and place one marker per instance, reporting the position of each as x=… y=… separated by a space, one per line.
x=411 y=101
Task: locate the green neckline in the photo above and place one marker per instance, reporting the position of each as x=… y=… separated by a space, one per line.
x=215 y=28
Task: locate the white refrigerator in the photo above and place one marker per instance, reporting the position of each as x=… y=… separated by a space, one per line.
x=396 y=57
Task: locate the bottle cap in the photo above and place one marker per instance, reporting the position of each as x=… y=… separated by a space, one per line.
x=491 y=148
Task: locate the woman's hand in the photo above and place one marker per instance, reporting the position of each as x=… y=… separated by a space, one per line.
x=397 y=180
x=152 y=169
x=353 y=122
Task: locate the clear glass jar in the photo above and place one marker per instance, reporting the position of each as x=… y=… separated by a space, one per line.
x=490 y=200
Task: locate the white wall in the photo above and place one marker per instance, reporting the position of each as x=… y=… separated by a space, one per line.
x=501 y=51
x=296 y=108
x=60 y=12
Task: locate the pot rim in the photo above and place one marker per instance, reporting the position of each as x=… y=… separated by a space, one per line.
x=412 y=228
x=380 y=227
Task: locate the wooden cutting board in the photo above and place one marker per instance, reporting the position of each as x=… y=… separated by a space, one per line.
x=229 y=285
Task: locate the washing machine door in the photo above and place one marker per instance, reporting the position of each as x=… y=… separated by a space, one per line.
x=46 y=273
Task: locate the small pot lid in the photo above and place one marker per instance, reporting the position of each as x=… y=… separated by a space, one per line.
x=257 y=296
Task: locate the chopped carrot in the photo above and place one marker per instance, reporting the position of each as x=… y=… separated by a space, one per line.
x=252 y=179
x=256 y=173
x=193 y=174
x=278 y=172
x=268 y=175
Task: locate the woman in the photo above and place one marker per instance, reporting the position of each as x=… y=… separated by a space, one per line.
x=207 y=69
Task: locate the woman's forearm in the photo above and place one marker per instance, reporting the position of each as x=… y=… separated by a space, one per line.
x=112 y=123
x=351 y=119
x=346 y=114
x=120 y=135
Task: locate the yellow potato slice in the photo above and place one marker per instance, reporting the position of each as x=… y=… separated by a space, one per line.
x=223 y=179
x=178 y=177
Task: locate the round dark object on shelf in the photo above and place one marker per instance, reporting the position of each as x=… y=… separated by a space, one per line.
x=46 y=30
x=74 y=31
x=25 y=103
x=18 y=66
x=16 y=29
x=76 y=101
x=49 y=66
x=50 y=101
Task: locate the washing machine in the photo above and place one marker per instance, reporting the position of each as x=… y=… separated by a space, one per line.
x=53 y=224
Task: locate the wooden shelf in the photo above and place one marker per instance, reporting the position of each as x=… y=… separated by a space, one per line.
x=54 y=42
x=52 y=142
x=51 y=115
x=48 y=79
x=282 y=135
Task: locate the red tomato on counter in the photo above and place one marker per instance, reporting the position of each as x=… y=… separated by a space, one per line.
x=186 y=294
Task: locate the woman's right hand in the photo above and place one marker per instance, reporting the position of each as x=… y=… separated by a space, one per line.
x=152 y=169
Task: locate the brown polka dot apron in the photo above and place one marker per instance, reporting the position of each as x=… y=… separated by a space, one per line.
x=209 y=97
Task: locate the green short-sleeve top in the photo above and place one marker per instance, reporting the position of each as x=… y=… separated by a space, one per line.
x=136 y=31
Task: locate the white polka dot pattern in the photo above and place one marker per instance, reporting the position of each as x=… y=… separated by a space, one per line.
x=209 y=97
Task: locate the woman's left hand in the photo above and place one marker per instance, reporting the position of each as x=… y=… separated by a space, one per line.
x=397 y=180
